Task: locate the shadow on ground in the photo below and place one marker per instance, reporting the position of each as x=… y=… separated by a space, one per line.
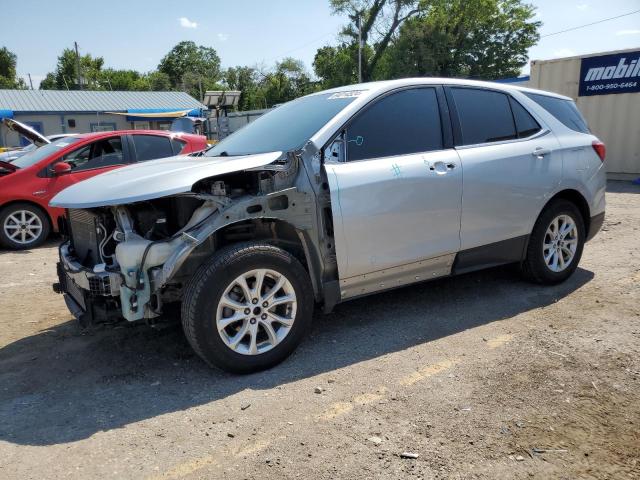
x=63 y=385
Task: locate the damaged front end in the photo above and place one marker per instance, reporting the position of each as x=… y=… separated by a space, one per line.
x=127 y=260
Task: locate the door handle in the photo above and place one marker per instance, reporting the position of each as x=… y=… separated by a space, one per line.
x=540 y=152
x=442 y=168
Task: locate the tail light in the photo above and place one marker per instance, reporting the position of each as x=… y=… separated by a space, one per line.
x=600 y=149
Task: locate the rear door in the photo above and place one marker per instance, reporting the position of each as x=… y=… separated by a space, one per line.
x=511 y=166
x=395 y=191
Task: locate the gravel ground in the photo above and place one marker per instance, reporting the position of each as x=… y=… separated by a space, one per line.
x=480 y=376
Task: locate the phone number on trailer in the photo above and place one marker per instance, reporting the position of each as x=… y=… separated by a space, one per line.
x=611 y=86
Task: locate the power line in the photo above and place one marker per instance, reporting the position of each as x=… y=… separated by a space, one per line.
x=302 y=46
x=589 y=24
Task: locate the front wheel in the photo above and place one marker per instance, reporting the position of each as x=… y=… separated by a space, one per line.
x=247 y=308
x=556 y=243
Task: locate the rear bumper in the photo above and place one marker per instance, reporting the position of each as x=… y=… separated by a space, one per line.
x=595 y=225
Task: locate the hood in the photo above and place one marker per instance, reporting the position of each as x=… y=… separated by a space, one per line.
x=154 y=179
x=26 y=131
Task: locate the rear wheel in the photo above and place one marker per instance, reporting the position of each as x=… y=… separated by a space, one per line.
x=23 y=226
x=556 y=243
x=247 y=308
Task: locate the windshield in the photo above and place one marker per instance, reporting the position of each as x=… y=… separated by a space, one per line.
x=43 y=152
x=285 y=128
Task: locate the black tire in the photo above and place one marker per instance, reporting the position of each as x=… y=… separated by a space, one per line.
x=534 y=266
x=206 y=287
x=13 y=209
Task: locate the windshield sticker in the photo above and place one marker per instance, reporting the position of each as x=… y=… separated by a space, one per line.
x=347 y=94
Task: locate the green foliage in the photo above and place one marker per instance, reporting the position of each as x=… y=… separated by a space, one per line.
x=189 y=66
x=380 y=20
x=245 y=79
x=484 y=39
x=8 y=76
x=337 y=66
x=286 y=81
x=65 y=76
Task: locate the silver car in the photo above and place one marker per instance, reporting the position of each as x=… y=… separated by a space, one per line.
x=332 y=196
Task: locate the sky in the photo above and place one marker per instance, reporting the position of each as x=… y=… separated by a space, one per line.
x=136 y=34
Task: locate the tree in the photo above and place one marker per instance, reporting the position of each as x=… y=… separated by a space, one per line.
x=158 y=81
x=189 y=63
x=8 y=76
x=336 y=66
x=485 y=39
x=111 y=79
x=245 y=79
x=287 y=81
x=65 y=76
x=380 y=21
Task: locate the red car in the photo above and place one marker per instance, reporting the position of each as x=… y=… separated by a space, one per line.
x=29 y=182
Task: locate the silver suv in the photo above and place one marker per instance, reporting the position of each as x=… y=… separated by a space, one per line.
x=332 y=196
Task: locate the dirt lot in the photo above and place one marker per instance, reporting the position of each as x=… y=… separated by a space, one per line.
x=483 y=376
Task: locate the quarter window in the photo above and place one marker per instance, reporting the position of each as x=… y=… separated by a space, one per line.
x=564 y=110
x=485 y=116
x=149 y=147
x=402 y=123
x=177 y=145
x=526 y=125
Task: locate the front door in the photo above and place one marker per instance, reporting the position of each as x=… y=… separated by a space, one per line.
x=396 y=194
x=86 y=161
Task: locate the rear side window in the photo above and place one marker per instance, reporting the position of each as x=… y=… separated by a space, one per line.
x=402 y=123
x=149 y=147
x=526 y=125
x=485 y=116
x=564 y=110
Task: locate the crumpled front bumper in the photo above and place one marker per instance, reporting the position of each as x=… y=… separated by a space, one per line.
x=91 y=296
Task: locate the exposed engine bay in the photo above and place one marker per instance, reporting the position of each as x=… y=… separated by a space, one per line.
x=128 y=261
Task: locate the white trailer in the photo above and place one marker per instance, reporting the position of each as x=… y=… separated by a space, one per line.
x=606 y=88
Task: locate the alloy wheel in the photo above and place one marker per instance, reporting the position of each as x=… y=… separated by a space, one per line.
x=560 y=243
x=256 y=311
x=23 y=227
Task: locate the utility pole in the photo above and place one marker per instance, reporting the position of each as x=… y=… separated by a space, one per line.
x=359 y=24
x=78 y=66
x=30 y=82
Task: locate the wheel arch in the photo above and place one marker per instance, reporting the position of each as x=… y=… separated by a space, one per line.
x=279 y=233
x=575 y=197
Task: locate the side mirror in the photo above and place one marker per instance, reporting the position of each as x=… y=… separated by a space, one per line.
x=61 y=168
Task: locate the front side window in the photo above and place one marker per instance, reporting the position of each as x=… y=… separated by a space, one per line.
x=149 y=147
x=401 y=123
x=39 y=154
x=485 y=115
x=99 y=154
